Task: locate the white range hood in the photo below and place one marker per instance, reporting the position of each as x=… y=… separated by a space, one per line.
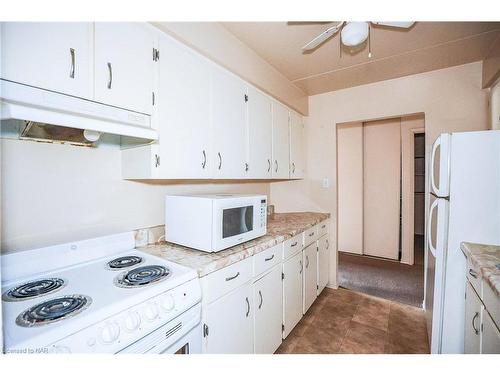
x=22 y=102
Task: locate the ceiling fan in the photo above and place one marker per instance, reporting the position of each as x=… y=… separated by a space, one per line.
x=351 y=33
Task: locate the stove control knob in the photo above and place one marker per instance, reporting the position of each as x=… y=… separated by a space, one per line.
x=167 y=302
x=109 y=333
x=150 y=311
x=131 y=321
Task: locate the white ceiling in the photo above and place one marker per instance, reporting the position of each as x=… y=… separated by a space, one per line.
x=395 y=52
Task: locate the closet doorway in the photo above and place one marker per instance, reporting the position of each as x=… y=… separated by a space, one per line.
x=380 y=186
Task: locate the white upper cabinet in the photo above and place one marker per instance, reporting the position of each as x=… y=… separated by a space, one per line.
x=281 y=145
x=229 y=125
x=124 y=65
x=297 y=143
x=259 y=135
x=48 y=55
x=183 y=112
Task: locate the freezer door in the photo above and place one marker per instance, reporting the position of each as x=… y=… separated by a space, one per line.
x=440 y=166
x=435 y=269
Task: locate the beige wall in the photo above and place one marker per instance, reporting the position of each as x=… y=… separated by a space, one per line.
x=451 y=99
x=495 y=106
x=57 y=193
x=491 y=64
x=215 y=42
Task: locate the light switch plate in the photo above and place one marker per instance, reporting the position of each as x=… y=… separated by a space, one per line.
x=325 y=183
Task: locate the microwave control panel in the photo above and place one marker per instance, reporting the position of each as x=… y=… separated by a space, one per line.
x=263 y=213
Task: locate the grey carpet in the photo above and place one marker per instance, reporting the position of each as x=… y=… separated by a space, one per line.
x=384 y=278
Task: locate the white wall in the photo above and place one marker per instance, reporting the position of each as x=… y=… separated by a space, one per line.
x=57 y=193
x=451 y=100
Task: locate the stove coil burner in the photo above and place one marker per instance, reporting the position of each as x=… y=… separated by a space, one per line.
x=124 y=262
x=142 y=276
x=33 y=289
x=53 y=310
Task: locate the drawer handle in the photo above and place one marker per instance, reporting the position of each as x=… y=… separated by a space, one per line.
x=311 y=234
x=248 y=306
x=233 y=277
x=294 y=244
x=473 y=273
x=476 y=331
x=261 y=299
x=307 y=259
x=270 y=258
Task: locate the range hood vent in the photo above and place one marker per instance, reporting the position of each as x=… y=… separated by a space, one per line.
x=37 y=131
x=58 y=117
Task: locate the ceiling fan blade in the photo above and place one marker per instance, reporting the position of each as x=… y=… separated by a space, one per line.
x=398 y=24
x=323 y=37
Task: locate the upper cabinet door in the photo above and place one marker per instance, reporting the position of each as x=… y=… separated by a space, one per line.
x=229 y=125
x=281 y=145
x=259 y=135
x=297 y=143
x=49 y=55
x=184 y=112
x=124 y=66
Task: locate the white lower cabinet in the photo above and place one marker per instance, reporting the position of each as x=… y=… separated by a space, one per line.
x=473 y=312
x=292 y=292
x=491 y=336
x=323 y=262
x=268 y=308
x=310 y=275
x=228 y=323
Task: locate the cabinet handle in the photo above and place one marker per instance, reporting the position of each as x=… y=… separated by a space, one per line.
x=270 y=258
x=246 y=167
x=157 y=160
x=204 y=163
x=327 y=244
x=72 y=70
x=307 y=259
x=220 y=160
x=110 y=81
x=276 y=164
x=205 y=330
x=473 y=273
x=268 y=165
x=312 y=234
x=248 y=306
x=301 y=267
x=476 y=331
x=293 y=168
x=323 y=226
x=261 y=299
x=294 y=244
x=233 y=277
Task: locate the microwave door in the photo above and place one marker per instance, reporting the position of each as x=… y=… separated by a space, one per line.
x=440 y=166
x=435 y=269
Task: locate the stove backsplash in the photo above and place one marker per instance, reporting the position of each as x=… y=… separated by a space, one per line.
x=149 y=236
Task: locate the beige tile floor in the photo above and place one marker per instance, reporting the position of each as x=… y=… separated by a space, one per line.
x=343 y=321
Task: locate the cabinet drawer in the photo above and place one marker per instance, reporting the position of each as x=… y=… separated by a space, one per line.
x=267 y=259
x=220 y=282
x=475 y=279
x=323 y=228
x=311 y=235
x=293 y=245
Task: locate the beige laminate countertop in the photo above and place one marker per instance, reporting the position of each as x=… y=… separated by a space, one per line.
x=485 y=258
x=282 y=227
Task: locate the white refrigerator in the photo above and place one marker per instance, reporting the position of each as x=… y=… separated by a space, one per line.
x=464 y=206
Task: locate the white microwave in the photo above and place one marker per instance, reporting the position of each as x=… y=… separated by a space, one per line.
x=213 y=223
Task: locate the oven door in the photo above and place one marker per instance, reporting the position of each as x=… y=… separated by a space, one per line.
x=238 y=220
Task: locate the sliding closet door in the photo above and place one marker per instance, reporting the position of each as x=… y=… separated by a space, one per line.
x=381 y=175
x=350 y=187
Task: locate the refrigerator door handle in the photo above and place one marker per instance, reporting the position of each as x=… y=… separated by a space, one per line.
x=435 y=146
x=429 y=227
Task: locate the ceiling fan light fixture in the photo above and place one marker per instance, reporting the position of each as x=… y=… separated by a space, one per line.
x=354 y=33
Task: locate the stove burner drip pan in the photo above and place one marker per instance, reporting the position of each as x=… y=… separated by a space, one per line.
x=142 y=276
x=33 y=289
